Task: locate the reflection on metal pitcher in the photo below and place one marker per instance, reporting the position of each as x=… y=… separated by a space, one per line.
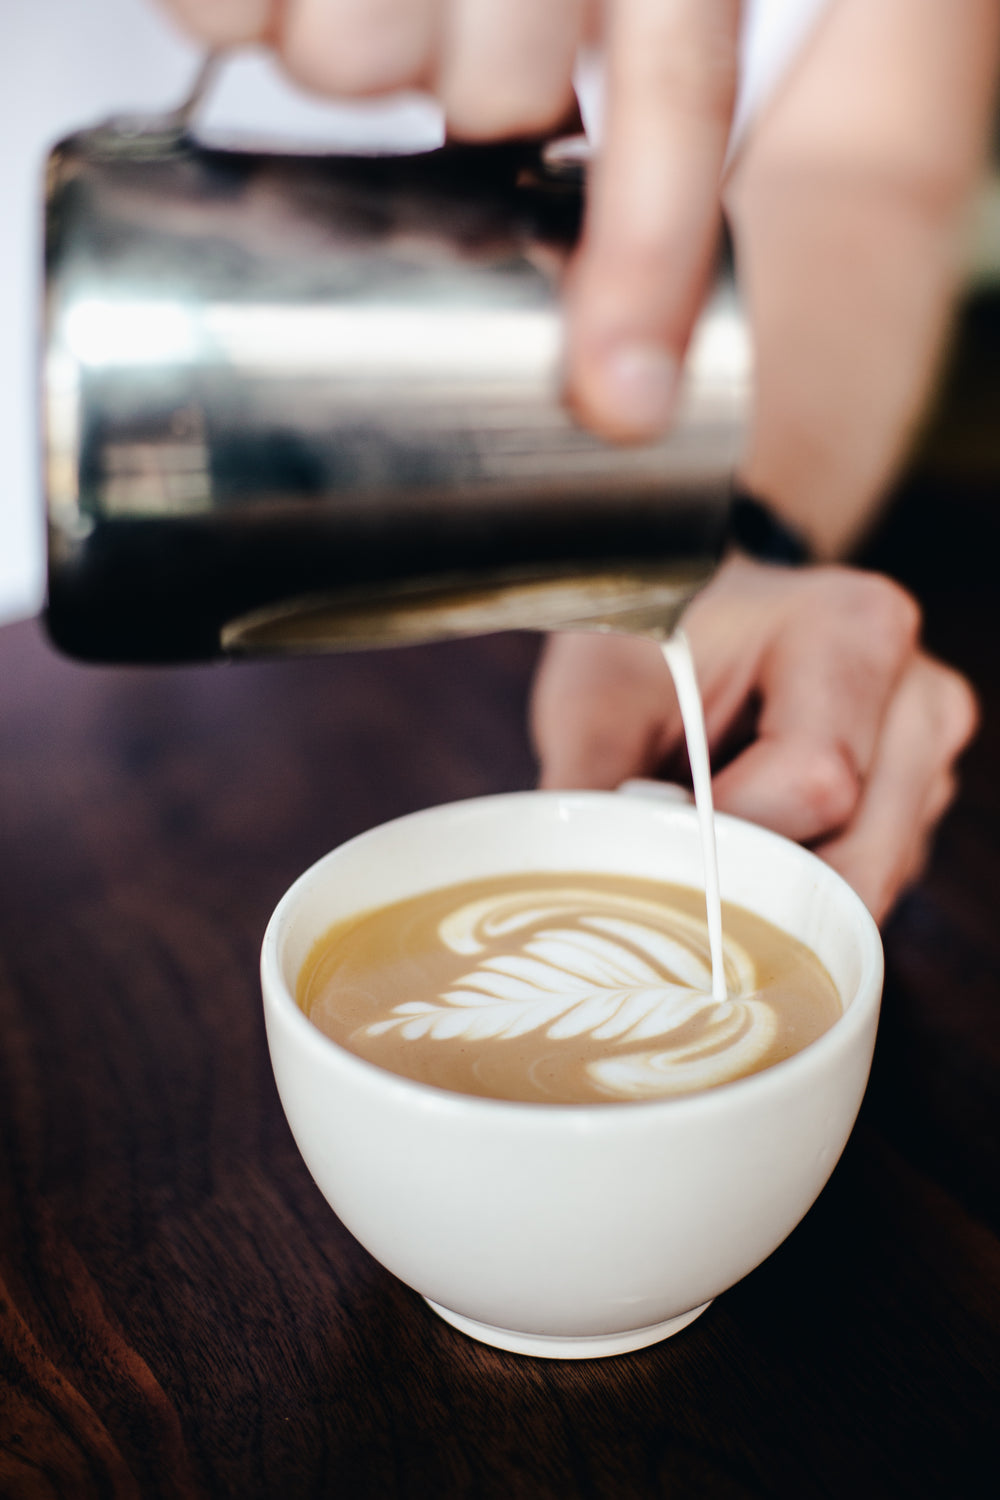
x=299 y=403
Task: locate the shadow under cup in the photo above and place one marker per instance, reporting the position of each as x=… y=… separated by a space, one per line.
x=571 y=1230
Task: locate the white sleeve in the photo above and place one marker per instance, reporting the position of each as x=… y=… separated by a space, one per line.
x=771 y=33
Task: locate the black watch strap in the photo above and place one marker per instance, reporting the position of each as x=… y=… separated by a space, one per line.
x=757 y=531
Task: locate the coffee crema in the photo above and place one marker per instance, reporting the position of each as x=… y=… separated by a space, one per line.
x=570 y=988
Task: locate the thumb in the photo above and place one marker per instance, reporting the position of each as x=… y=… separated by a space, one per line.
x=603 y=709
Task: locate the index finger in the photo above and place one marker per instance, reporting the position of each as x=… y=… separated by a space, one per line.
x=825 y=686
x=653 y=209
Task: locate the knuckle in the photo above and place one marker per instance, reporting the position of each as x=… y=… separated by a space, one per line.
x=891 y=615
x=353 y=71
x=381 y=49
x=489 y=114
x=879 y=611
x=828 y=785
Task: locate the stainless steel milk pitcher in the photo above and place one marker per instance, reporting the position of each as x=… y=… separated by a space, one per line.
x=300 y=403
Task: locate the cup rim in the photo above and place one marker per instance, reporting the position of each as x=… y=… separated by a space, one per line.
x=855 y=1018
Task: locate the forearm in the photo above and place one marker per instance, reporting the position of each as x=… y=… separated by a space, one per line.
x=849 y=206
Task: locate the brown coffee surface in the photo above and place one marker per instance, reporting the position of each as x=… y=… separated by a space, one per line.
x=566 y=987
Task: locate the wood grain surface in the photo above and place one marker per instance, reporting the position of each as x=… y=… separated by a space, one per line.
x=181 y=1315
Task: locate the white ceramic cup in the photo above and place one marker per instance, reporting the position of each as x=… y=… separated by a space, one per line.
x=571 y=1230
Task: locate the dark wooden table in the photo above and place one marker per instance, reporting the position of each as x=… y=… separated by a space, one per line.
x=180 y=1312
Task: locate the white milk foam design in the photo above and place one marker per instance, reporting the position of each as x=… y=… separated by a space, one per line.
x=610 y=978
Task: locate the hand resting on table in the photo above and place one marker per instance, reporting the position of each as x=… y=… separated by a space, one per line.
x=827 y=721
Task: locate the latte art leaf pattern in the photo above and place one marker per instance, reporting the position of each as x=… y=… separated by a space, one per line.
x=730 y=1047
x=598 y=977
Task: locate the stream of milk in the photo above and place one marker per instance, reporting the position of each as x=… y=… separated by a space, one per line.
x=677 y=654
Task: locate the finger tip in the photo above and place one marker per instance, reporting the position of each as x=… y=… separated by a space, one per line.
x=626 y=392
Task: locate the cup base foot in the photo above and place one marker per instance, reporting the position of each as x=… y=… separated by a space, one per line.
x=547 y=1346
